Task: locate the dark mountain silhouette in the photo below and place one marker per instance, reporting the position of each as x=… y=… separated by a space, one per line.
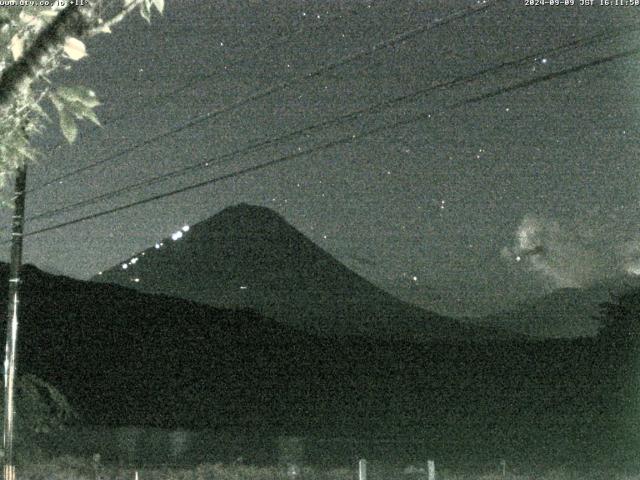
x=563 y=313
x=124 y=357
x=247 y=256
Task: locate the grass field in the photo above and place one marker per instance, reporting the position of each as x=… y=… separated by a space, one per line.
x=70 y=468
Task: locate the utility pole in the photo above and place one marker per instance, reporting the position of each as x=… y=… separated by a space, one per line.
x=17 y=228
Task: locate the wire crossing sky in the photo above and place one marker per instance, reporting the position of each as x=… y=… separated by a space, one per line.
x=332 y=144
x=209 y=116
x=343 y=118
x=468 y=135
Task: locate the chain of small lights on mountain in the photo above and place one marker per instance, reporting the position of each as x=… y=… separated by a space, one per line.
x=541 y=56
x=130 y=262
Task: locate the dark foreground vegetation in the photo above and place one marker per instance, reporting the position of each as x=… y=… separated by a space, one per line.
x=125 y=358
x=70 y=468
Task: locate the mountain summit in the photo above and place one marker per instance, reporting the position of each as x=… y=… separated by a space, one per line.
x=250 y=257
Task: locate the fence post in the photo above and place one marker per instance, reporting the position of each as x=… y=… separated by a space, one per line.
x=431 y=466
x=503 y=465
x=362 y=469
x=96 y=466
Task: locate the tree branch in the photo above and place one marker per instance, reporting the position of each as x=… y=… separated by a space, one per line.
x=127 y=9
x=69 y=21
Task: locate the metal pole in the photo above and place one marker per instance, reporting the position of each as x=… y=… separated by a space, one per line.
x=12 y=321
x=362 y=469
x=431 y=467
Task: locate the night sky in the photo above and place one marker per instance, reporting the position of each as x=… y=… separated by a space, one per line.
x=479 y=203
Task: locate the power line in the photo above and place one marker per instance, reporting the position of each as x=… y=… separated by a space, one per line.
x=462 y=79
x=342 y=140
x=200 y=78
x=401 y=37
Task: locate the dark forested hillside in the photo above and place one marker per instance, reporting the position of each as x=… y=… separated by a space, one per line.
x=128 y=358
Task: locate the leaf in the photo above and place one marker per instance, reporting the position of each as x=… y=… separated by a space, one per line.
x=25 y=152
x=68 y=126
x=104 y=29
x=83 y=95
x=29 y=19
x=74 y=48
x=91 y=115
x=74 y=102
x=56 y=102
x=38 y=110
x=159 y=4
x=17 y=46
x=145 y=15
x=80 y=111
x=145 y=11
x=47 y=13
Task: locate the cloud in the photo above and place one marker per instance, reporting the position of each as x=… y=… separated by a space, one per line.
x=574 y=255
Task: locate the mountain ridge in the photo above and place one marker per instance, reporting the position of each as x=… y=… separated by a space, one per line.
x=128 y=358
x=562 y=313
x=248 y=256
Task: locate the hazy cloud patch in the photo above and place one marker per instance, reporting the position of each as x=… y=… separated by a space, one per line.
x=573 y=255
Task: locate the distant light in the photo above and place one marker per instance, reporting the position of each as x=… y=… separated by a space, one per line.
x=125 y=266
x=518 y=258
x=414 y=278
x=243 y=287
x=134 y=260
x=99 y=273
x=544 y=61
x=176 y=236
x=185 y=228
x=157 y=246
x=136 y=280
